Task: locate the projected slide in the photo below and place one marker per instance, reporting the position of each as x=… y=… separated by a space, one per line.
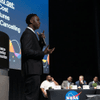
x=12 y=21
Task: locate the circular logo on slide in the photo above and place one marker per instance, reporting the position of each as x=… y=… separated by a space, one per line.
x=72 y=95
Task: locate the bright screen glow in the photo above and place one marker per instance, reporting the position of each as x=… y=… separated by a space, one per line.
x=12 y=21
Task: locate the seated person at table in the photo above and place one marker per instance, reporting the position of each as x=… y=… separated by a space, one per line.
x=48 y=83
x=81 y=82
x=66 y=83
x=95 y=80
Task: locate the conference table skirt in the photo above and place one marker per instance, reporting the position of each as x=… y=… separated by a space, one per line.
x=65 y=94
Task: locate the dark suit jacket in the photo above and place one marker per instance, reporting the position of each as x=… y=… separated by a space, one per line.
x=91 y=86
x=78 y=83
x=32 y=54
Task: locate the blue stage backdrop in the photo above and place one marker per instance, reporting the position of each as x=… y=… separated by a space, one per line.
x=12 y=21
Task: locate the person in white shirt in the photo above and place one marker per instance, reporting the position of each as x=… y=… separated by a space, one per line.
x=48 y=83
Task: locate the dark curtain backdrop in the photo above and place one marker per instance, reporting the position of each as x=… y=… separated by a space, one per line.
x=74 y=32
x=97 y=27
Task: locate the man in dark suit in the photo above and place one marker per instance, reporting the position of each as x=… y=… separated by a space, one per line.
x=32 y=55
x=95 y=80
x=81 y=82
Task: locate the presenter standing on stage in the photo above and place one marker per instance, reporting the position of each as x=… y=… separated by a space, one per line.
x=32 y=56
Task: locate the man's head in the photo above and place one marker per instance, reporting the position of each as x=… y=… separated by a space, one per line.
x=69 y=79
x=95 y=79
x=81 y=78
x=49 y=78
x=33 y=21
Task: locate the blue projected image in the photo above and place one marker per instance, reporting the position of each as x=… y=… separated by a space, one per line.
x=12 y=21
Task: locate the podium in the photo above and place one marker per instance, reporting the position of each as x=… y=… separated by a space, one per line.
x=4 y=66
x=4 y=85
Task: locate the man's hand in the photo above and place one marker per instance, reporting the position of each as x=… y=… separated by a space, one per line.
x=79 y=87
x=52 y=79
x=44 y=92
x=82 y=82
x=46 y=95
x=95 y=87
x=66 y=87
x=42 y=35
x=48 y=51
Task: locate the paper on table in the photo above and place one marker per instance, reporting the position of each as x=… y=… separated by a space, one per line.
x=86 y=87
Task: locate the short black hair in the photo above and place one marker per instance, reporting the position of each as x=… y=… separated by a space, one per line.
x=29 y=17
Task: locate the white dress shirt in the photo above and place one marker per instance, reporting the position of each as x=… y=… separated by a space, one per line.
x=31 y=29
x=46 y=84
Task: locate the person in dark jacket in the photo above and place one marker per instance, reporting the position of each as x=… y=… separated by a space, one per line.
x=81 y=82
x=95 y=80
x=32 y=55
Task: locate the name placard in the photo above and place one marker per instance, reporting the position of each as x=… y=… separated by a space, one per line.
x=86 y=87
